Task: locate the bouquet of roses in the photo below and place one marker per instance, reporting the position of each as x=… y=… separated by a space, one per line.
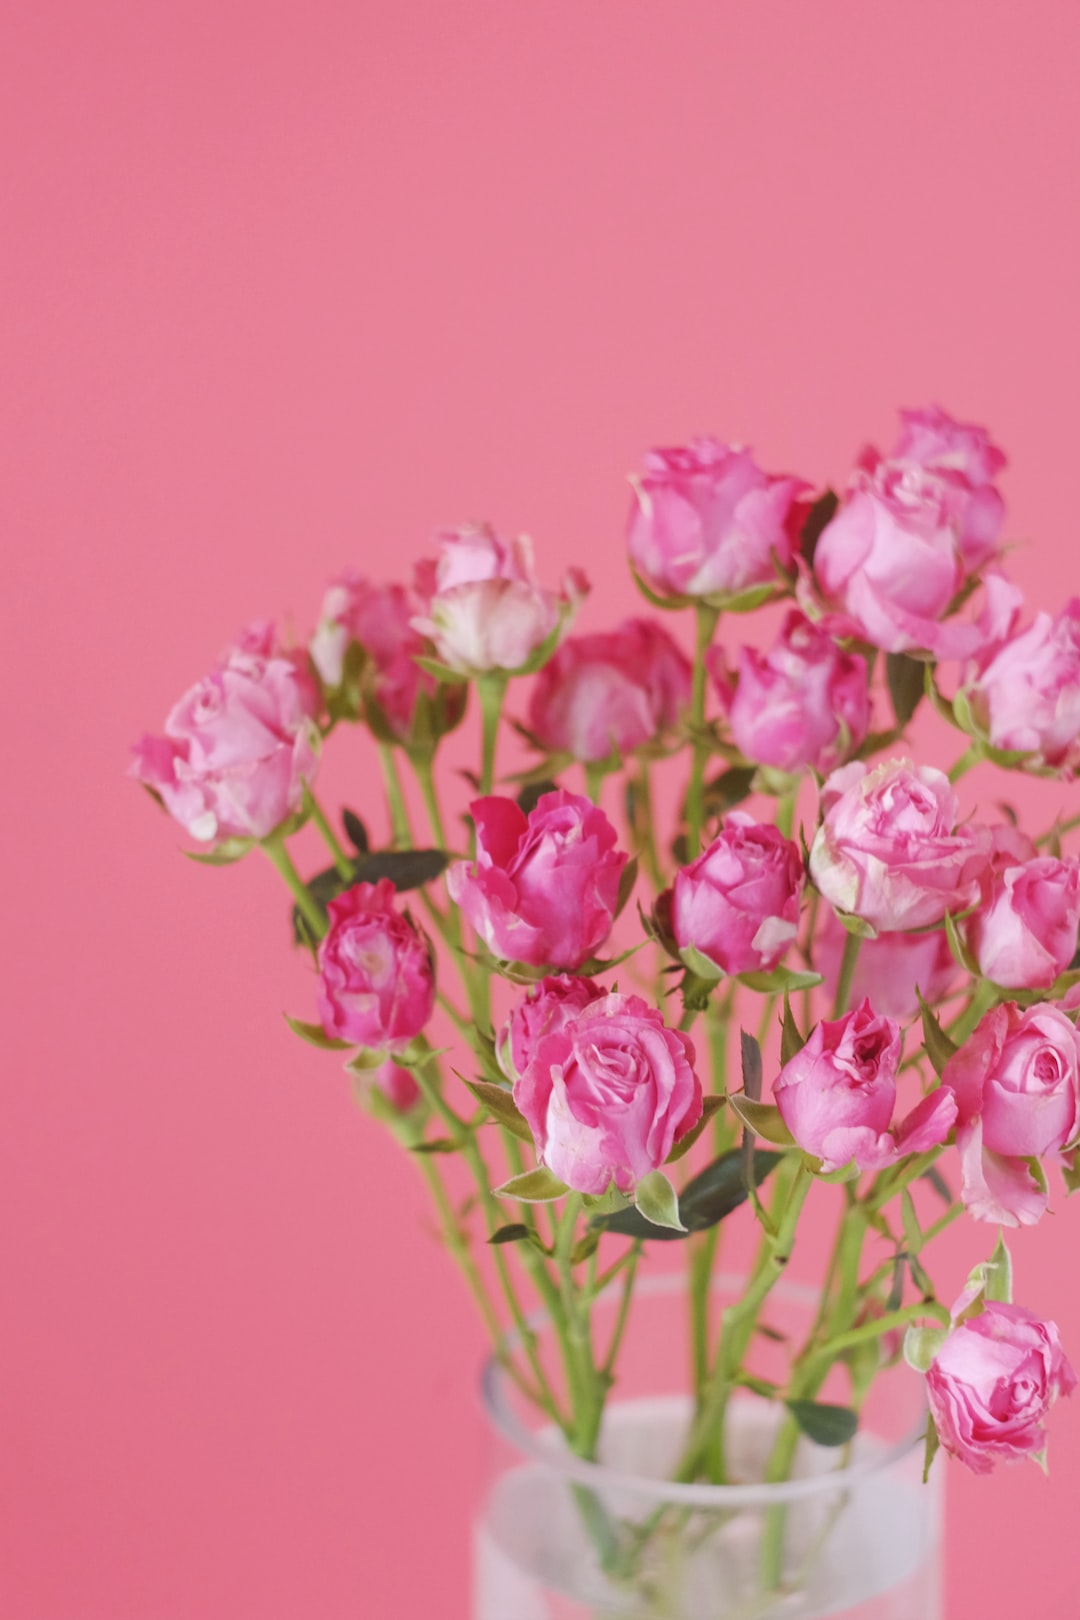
x=912 y=974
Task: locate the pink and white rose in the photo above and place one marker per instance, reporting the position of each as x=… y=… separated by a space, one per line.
x=376 y=971
x=1025 y=696
x=608 y=1092
x=889 y=849
x=611 y=692
x=889 y=968
x=965 y=455
x=544 y=888
x=379 y=619
x=1024 y=933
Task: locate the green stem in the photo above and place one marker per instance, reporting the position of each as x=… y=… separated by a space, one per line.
x=275 y=850
x=607 y=1371
x=330 y=838
x=1058 y=830
x=594 y=780
x=645 y=832
x=706 y=625
x=785 y=812
x=964 y=764
x=848 y=962
x=492 y=690
x=425 y=775
x=399 y=815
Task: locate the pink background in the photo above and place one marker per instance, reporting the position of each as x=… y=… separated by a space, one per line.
x=283 y=286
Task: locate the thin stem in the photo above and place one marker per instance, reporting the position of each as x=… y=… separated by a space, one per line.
x=594 y=780
x=330 y=838
x=492 y=690
x=607 y=1371
x=645 y=831
x=785 y=812
x=275 y=850
x=848 y=962
x=399 y=815
x=425 y=775
x=706 y=624
x=971 y=757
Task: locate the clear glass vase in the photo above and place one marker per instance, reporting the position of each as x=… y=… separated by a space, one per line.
x=852 y=1533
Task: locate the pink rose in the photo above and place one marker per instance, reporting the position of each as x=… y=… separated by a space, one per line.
x=237 y=750
x=707 y=521
x=992 y=1383
x=804 y=703
x=889 y=968
x=376 y=971
x=1017 y=1086
x=888 y=849
x=738 y=903
x=613 y=691
x=397 y=1085
x=1026 y=695
x=547 y=1008
x=486 y=611
x=379 y=619
x=543 y=889
x=1024 y=933
x=837 y=1096
x=967 y=458
x=608 y=1092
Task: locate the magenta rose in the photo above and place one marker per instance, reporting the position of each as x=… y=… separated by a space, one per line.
x=1026 y=695
x=838 y=1095
x=738 y=903
x=397 y=1085
x=544 y=889
x=1024 y=933
x=485 y=610
x=707 y=521
x=889 y=850
x=992 y=1383
x=889 y=968
x=965 y=455
x=1017 y=1085
x=376 y=971
x=548 y=1007
x=237 y=750
x=805 y=702
x=610 y=692
x=608 y=1092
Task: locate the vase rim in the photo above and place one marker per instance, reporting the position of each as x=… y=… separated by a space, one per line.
x=536 y=1445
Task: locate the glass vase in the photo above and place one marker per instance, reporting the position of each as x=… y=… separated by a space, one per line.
x=852 y=1533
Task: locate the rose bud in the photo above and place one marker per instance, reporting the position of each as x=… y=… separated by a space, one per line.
x=837 y=1096
x=396 y=1085
x=607 y=1093
x=237 y=750
x=888 y=849
x=806 y=702
x=543 y=889
x=1026 y=695
x=486 y=612
x=376 y=972
x=1017 y=1086
x=738 y=903
x=992 y=1383
x=1024 y=933
x=889 y=969
x=707 y=521
x=610 y=693
x=548 y=1007
x=965 y=455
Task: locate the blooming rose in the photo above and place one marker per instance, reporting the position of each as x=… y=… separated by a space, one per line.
x=805 y=702
x=1026 y=695
x=543 y=889
x=547 y=1008
x=612 y=691
x=965 y=455
x=1024 y=933
x=376 y=974
x=738 y=903
x=1017 y=1086
x=608 y=1092
x=237 y=750
x=889 y=968
x=888 y=849
x=708 y=521
x=379 y=618
x=992 y=1383
x=837 y=1096
x=486 y=612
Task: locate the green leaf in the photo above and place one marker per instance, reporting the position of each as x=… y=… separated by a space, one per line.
x=406 y=868
x=906 y=678
x=958 y=947
x=824 y=1424
x=781 y=980
x=997 y=1273
x=667 y=604
x=921 y=1345
x=533 y=792
x=657 y=1200
x=226 y=854
x=751 y=1065
x=761 y=1118
x=939 y=1048
x=627 y=879
x=700 y=966
x=934 y=1176
x=791 y=1039
x=707 y=1198
x=537 y=1186
x=583 y=1249
x=315 y=1035
x=728 y=789
x=355 y=831
x=856 y=925
x=517 y=1232
x=366 y=1059
x=500 y=1104
x=441 y=1144
x=938 y=702
x=933 y=1444
x=1070 y=1172
x=747 y=601
x=816 y=522
x=442 y=672
x=710 y=1106
x=912 y=1230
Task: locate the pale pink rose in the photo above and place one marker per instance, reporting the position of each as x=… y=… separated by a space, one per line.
x=1017 y=1085
x=890 y=563
x=608 y=1093
x=547 y=1008
x=1026 y=695
x=738 y=903
x=805 y=702
x=707 y=521
x=376 y=971
x=992 y=1383
x=889 y=968
x=1024 y=933
x=838 y=1095
x=888 y=849
x=610 y=692
x=965 y=455
x=544 y=888
x=237 y=750
x=379 y=619
x=486 y=612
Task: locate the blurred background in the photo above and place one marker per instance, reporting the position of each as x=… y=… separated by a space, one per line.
x=282 y=287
